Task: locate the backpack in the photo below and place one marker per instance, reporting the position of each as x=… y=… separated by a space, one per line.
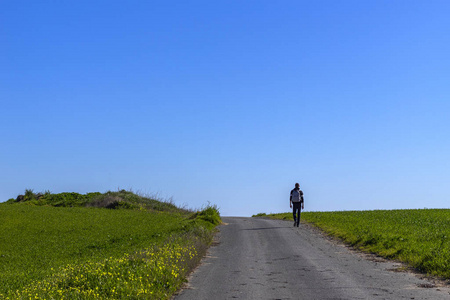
x=296 y=195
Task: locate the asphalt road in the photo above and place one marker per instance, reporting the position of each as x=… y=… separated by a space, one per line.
x=269 y=259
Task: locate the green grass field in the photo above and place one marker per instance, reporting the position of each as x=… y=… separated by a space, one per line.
x=142 y=249
x=420 y=238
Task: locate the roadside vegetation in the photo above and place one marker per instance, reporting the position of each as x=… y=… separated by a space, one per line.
x=420 y=238
x=116 y=245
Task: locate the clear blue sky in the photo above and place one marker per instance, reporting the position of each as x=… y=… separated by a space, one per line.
x=230 y=102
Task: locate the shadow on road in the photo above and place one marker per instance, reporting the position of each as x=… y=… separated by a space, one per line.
x=264 y=228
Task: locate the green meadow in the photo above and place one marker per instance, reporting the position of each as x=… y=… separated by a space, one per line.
x=420 y=237
x=71 y=246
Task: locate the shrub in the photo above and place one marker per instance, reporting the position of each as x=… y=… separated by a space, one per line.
x=260 y=215
x=210 y=215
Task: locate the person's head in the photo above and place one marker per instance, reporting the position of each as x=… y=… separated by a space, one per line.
x=297 y=185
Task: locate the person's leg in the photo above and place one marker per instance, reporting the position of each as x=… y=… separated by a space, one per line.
x=294 y=213
x=298 y=214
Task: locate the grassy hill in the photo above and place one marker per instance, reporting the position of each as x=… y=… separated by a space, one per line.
x=116 y=245
x=119 y=199
x=419 y=237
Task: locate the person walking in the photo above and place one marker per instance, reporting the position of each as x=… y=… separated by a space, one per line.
x=295 y=201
